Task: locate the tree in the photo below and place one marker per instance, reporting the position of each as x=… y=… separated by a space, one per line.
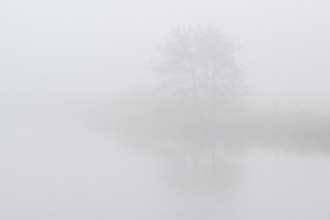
x=197 y=66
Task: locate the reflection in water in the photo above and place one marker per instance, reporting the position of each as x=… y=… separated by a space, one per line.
x=59 y=171
x=206 y=195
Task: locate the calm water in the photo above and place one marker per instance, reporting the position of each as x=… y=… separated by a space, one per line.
x=53 y=170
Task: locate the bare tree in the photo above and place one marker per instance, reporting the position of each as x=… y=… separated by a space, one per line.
x=197 y=65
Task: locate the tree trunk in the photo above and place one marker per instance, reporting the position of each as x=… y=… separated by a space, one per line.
x=195 y=163
x=195 y=92
x=214 y=95
x=213 y=122
x=214 y=160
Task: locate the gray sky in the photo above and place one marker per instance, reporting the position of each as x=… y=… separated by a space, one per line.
x=88 y=47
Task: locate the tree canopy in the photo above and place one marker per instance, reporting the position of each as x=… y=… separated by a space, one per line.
x=198 y=64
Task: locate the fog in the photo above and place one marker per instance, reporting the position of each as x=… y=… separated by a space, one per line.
x=164 y=109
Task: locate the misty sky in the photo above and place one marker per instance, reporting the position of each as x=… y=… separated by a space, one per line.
x=98 y=47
